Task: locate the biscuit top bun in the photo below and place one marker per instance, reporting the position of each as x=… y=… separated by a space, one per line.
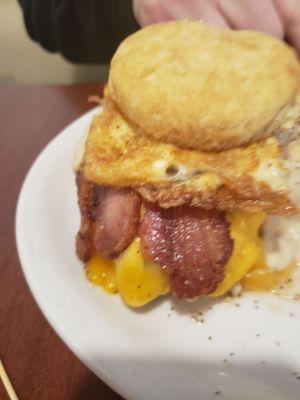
x=203 y=87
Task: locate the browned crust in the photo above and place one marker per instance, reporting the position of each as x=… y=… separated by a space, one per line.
x=222 y=198
x=116 y=156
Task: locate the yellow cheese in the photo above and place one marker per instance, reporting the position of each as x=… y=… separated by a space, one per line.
x=139 y=281
x=247 y=248
x=102 y=272
x=263 y=279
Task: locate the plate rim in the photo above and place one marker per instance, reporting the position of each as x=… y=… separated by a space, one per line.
x=104 y=377
x=107 y=377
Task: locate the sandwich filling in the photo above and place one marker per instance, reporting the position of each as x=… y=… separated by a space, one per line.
x=188 y=250
x=146 y=239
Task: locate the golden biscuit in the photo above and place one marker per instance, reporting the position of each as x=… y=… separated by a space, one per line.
x=202 y=87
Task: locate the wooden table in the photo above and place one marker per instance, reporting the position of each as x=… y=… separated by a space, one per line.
x=40 y=366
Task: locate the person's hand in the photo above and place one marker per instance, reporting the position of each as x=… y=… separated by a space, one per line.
x=289 y=11
x=280 y=18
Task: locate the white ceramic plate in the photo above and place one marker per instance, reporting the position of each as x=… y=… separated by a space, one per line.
x=244 y=350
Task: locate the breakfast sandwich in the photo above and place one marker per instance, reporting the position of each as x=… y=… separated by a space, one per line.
x=192 y=164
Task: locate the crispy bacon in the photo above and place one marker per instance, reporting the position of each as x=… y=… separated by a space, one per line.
x=109 y=218
x=191 y=244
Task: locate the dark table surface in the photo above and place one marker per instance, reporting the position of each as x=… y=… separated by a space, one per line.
x=39 y=365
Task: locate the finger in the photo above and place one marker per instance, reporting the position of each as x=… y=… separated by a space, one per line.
x=150 y=11
x=205 y=10
x=259 y=15
x=136 y=6
x=289 y=10
x=294 y=38
x=153 y=11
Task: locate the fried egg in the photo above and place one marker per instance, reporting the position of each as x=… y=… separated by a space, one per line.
x=255 y=178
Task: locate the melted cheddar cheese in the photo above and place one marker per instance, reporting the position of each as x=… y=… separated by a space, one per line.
x=247 y=248
x=139 y=281
x=102 y=272
x=264 y=278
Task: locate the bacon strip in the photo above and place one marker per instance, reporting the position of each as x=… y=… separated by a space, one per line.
x=109 y=218
x=84 y=238
x=191 y=244
x=116 y=219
